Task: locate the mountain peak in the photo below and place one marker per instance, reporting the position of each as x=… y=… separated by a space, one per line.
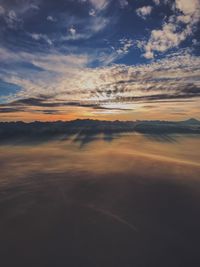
x=192 y=121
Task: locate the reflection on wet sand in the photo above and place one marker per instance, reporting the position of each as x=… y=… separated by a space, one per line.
x=132 y=200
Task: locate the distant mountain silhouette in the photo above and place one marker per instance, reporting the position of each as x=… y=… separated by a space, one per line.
x=191 y=121
x=86 y=130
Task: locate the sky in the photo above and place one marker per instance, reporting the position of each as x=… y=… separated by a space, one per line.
x=99 y=59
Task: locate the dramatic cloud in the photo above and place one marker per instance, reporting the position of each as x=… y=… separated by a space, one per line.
x=95 y=57
x=67 y=81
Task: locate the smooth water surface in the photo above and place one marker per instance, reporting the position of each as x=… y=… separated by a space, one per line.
x=133 y=200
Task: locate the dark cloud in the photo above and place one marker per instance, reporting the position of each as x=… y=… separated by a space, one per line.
x=10 y=110
x=156 y=97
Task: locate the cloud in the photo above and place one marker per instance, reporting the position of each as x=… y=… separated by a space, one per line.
x=39 y=36
x=57 y=107
x=49 y=61
x=12 y=20
x=144 y=11
x=92 y=12
x=95 y=25
x=72 y=63
x=187 y=7
x=67 y=81
x=72 y=31
x=2 y=10
x=99 y=4
x=51 y=18
x=10 y=110
x=175 y=30
x=13 y=13
x=123 y=3
x=118 y=52
x=99 y=24
x=157 y=2
x=125 y=46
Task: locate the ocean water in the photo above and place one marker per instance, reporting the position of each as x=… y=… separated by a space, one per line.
x=130 y=200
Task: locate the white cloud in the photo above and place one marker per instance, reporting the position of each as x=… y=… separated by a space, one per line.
x=144 y=11
x=126 y=44
x=99 y=4
x=178 y=27
x=123 y=3
x=51 y=18
x=187 y=7
x=53 y=61
x=12 y=20
x=98 y=24
x=72 y=31
x=2 y=10
x=157 y=2
x=106 y=57
x=92 y=12
x=14 y=15
x=95 y=25
x=39 y=36
x=195 y=42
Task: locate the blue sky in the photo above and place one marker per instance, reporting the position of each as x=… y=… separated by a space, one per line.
x=99 y=54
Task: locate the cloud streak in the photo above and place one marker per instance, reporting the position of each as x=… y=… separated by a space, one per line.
x=83 y=55
x=67 y=81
